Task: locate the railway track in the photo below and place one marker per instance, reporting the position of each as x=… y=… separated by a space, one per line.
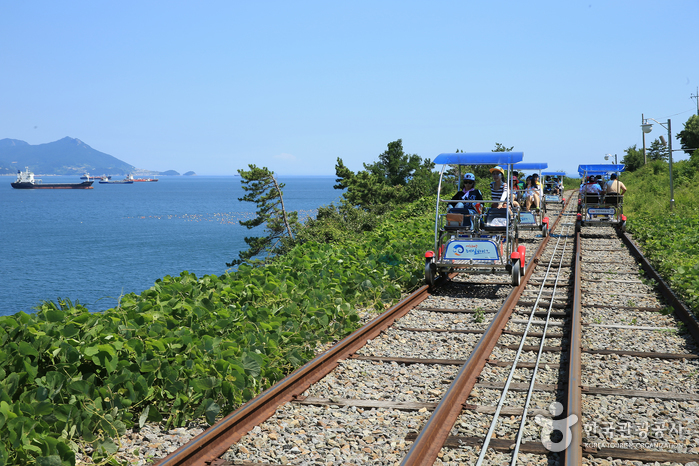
x=434 y=380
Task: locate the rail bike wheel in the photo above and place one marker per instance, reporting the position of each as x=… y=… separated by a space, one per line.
x=516 y=273
x=430 y=274
x=522 y=250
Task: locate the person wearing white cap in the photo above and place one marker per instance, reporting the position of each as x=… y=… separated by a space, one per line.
x=468 y=192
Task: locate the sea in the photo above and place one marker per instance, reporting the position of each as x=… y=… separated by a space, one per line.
x=93 y=246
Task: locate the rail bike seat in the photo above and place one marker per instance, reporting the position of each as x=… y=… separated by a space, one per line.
x=591 y=198
x=614 y=199
x=495 y=220
x=460 y=219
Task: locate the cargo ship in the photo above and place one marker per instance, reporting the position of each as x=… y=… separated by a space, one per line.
x=26 y=180
x=131 y=178
x=87 y=176
x=125 y=181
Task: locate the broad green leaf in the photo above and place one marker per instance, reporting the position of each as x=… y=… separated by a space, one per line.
x=205 y=383
x=150 y=366
x=211 y=412
x=26 y=349
x=252 y=363
x=53 y=460
x=90 y=351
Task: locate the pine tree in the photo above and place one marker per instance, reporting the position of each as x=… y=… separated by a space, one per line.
x=263 y=189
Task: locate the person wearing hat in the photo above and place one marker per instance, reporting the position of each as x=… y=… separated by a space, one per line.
x=498 y=187
x=469 y=192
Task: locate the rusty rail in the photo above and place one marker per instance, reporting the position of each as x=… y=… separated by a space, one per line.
x=573 y=454
x=216 y=440
x=433 y=435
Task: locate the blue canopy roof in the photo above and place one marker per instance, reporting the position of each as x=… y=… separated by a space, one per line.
x=479 y=158
x=602 y=168
x=530 y=166
x=553 y=173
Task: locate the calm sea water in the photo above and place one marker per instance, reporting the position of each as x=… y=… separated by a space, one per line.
x=94 y=245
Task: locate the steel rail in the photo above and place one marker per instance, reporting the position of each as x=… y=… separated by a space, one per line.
x=434 y=433
x=527 y=402
x=216 y=440
x=573 y=436
x=518 y=355
x=574 y=452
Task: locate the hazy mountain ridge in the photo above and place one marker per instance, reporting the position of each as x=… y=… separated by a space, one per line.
x=67 y=156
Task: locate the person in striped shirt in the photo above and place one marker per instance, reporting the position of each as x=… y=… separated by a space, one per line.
x=498 y=187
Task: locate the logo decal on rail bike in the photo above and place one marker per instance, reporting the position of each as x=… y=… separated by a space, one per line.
x=473 y=250
x=601 y=211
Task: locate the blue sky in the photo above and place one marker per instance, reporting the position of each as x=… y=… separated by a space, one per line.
x=213 y=86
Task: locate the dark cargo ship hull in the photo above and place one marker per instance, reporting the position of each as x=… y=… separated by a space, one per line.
x=84 y=185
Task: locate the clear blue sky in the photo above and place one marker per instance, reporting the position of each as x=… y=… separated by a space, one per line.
x=212 y=86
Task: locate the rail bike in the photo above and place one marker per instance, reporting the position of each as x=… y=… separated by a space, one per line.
x=552 y=195
x=471 y=240
x=600 y=209
x=533 y=219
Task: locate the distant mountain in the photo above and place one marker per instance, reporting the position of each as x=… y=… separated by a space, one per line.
x=67 y=156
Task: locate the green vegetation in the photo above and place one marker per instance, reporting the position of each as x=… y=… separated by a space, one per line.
x=668 y=237
x=191 y=348
x=263 y=189
x=74 y=381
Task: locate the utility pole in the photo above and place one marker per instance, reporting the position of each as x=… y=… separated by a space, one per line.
x=696 y=96
x=643 y=122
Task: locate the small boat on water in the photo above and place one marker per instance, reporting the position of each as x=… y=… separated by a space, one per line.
x=26 y=180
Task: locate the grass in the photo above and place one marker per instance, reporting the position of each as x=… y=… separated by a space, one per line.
x=667 y=235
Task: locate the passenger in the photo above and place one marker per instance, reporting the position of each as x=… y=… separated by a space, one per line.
x=498 y=187
x=531 y=194
x=516 y=191
x=591 y=187
x=615 y=186
x=559 y=186
x=537 y=190
x=537 y=184
x=469 y=192
x=549 y=184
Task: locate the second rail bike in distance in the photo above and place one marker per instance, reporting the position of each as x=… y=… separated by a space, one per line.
x=468 y=241
x=552 y=193
x=534 y=219
x=600 y=209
